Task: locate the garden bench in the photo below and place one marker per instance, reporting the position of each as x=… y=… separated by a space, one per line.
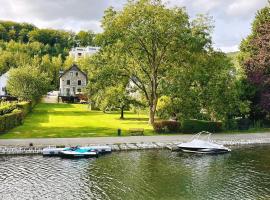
x=136 y=131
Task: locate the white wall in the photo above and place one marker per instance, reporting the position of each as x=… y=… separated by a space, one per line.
x=3 y=83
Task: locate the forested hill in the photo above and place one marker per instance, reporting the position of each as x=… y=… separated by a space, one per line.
x=25 y=44
x=58 y=41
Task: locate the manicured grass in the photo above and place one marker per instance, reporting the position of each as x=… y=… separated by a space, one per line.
x=75 y=120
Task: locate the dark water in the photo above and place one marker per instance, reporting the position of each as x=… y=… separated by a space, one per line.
x=242 y=174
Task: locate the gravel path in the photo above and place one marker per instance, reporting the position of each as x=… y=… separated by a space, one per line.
x=229 y=139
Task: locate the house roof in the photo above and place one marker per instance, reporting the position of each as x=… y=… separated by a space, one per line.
x=74 y=67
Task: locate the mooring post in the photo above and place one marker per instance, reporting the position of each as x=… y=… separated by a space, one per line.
x=119 y=132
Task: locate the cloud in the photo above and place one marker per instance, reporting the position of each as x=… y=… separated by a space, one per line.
x=244 y=8
x=232 y=17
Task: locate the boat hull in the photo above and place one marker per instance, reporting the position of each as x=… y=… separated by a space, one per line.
x=78 y=155
x=204 y=150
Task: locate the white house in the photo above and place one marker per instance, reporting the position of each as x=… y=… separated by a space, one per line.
x=3 y=84
x=79 y=52
x=72 y=81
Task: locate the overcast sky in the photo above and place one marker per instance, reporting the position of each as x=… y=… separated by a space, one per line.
x=232 y=17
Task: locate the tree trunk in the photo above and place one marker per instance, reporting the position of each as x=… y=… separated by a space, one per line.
x=122 y=112
x=152 y=112
x=151 y=116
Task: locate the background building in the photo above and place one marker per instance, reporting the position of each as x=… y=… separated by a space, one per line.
x=79 y=52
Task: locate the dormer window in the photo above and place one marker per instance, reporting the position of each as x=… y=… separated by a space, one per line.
x=79 y=82
x=77 y=73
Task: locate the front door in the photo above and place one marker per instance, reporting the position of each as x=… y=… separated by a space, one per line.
x=68 y=92
x=74 y=91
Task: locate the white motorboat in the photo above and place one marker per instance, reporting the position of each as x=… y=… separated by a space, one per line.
x=197 y=145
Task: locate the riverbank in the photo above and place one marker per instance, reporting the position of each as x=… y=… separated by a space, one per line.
x=35 y=146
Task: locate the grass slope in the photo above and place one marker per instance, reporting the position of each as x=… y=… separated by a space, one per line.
x=75 y=120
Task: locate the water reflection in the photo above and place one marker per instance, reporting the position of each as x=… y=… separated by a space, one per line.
x=242 y=174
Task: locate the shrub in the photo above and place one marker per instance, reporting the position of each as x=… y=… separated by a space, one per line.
x=11 y=120
x=195 y=126
x=166 y=126
x=243 y=124
x=231 y=124
x=25 y=107
x=7 y=108
x=158 y=127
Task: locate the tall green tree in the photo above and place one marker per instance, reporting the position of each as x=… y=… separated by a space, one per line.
x=27 y=83
x=146 y=40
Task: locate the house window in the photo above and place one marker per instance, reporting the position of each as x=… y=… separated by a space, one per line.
x=79 y=82
x=77 y=73
x=68 y=82
x=79 y=54
x=3 y=89
x=79 y=90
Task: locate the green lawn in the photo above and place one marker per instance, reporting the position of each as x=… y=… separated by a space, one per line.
x=75 y=120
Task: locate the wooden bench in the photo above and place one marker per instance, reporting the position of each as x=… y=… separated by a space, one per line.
x=136 y=131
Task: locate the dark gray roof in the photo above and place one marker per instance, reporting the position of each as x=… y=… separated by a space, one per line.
x=74 y=67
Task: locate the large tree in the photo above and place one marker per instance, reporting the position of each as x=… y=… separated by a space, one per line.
x=146 y=40
x=27 y=83
x=255 y=59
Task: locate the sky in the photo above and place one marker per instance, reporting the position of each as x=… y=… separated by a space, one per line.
x=232 y=18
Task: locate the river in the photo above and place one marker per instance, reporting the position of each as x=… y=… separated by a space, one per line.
x=153 y=174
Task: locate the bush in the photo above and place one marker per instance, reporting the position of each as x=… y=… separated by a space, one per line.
x=195 y=126
x=25 y=107
x=7 y=108
x=166 y=126
x=243 y=124
x=231 y=124
x=11 y=120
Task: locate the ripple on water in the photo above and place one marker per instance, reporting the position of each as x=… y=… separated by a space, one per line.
x=242 y=174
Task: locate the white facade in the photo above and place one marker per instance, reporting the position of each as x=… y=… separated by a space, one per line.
x=81 y=52
x=3 y=84
x=72 y=82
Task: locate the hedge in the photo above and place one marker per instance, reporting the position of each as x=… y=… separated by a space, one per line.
x=25 y=107
x=8 y=108
x=166 y=126
x=195 y=126
x=11 y=120
x=16 y=116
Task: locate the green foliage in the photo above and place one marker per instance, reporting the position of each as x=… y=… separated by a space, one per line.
x=135 y=45
x=27 y=83
x=166 y=126
x=255 y=59
x=195 y=126
x=26 y=107
x=6 y=108
x=85 y=38
x=10 y=120
x=207 y=88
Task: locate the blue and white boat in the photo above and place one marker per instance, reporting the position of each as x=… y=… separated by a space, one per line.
x=53 y=151
x=78 y=152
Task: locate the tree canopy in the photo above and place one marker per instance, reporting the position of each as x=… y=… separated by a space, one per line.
x=161 y=51
x=255 y=59
x=27 y=83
